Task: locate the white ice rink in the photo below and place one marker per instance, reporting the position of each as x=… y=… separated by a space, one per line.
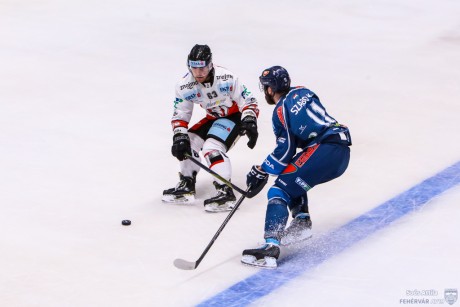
x=86 y=97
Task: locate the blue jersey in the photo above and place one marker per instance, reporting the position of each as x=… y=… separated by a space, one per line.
x=300 y=121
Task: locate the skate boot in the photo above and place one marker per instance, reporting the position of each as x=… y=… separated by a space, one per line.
x=223 y=201
x=184 y=192
x=264 y=256
x=298 y=231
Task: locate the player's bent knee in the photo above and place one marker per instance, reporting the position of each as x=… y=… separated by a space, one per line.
x=276 y=193
x=213 y=144
x=214 y=157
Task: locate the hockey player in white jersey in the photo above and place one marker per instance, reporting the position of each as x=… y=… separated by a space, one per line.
x=231 y=111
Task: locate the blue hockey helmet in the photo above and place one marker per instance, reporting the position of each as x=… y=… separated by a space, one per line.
x=275 y=77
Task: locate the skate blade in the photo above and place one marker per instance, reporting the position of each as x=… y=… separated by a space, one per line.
x=174 y=199
x=291 y=239
x=214 y=207
x=265 y=263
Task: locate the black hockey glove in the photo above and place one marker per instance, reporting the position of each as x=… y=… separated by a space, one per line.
x=256 y=179
x=181 y=146
x=249 y=127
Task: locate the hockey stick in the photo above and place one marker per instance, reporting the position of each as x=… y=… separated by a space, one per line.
x=188 y=265
x=226 y=182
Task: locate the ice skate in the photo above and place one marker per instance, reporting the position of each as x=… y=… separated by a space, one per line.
x=184 y=192
x=223 y=201
x=264 y=256
x=298 y=231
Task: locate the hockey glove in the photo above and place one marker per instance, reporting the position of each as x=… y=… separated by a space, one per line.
x=256 y=179
x=249 y=127
x=181 y=146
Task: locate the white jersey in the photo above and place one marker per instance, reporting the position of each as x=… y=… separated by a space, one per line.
x=226 y=95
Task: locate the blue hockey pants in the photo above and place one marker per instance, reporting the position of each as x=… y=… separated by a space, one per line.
x=308 y=168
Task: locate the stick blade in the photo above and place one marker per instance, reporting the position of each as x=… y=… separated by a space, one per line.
x=184 y=264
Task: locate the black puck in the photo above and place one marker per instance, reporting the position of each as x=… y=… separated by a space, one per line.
x=126 y=222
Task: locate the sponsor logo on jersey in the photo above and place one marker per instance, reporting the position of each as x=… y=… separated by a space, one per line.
x=212 y=104
x=226 y=89
x=302 y=184
x=224 y=77
x=177 y=101
x=269 y=164
x=302 y=128
x=281 y=181
x=190 y=97
x=219 y=125
x=245 y=92
x=305 y=156
x=281 y=140
x=188 y=85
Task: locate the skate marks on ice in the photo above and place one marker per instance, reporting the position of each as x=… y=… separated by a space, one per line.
x=311 y=253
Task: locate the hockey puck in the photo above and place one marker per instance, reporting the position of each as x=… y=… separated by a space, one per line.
x=126 y=222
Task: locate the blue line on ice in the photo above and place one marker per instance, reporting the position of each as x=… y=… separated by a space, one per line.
x=326 y=246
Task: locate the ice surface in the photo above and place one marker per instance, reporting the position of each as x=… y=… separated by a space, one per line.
x=86 y=92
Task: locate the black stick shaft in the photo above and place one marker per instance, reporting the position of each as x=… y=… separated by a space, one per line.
x=226 y=182
x=229 y=216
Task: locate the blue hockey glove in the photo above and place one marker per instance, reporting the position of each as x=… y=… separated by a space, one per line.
x=181 y=146
x=256 y=179
x=249 y=127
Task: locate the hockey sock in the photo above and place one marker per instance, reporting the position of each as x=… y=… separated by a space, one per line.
x=275 y=218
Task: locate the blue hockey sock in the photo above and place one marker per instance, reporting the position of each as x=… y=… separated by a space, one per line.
x=275 y=218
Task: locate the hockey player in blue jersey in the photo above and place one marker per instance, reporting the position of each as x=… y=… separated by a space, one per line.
x=299 y=122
